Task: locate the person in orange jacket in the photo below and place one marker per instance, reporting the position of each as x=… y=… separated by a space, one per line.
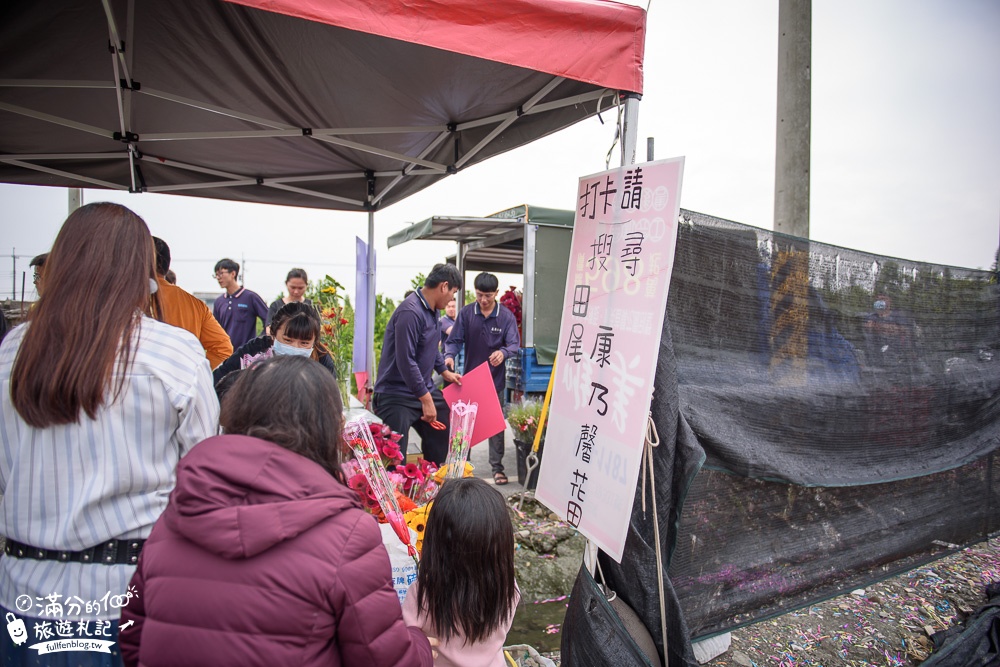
x=186 y=311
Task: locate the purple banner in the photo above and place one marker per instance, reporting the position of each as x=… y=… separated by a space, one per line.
x=364 y=310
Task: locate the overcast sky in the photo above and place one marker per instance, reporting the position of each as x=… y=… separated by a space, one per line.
x=905 y=150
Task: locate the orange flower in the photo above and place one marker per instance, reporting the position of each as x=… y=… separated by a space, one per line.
x=405 y=504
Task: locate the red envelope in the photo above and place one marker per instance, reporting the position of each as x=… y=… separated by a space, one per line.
x=477 y=387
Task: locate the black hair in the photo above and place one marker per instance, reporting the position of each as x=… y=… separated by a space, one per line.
x=301 y=322
x=227 y=265
x=227 y=382
x=297 y=273
x=486 y=282
x=444 y=273
x=292 y=402
x=466 y=578
x=39 y=260
x=162 y=256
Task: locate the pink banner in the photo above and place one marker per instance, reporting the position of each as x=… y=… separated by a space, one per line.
x=622 y=255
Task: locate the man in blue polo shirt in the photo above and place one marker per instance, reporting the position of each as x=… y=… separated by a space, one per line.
x=488 y=332
x=404 y=394
x=238 y=309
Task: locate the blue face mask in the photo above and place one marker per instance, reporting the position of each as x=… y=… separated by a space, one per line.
x=280 y=348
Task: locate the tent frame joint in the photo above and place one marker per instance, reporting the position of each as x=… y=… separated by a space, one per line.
x=126 y=138
x=307 y=131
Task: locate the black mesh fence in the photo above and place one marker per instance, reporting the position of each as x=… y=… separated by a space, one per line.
x=828 y=418
x=847 y=405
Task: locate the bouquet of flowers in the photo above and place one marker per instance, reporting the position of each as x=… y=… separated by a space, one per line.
x=523 y=418
x=415 y=481
x=358 y=434
x=463 y=423
x=337 y=330
x=511 y=300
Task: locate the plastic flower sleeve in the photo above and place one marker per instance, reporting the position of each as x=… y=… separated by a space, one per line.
x=358 y=435
x=463 y=422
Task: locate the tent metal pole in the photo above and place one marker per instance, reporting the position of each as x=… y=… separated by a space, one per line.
x=66 y=174
x=630 y=126
x=410 y=168
x=49 y=118
x=371 y=306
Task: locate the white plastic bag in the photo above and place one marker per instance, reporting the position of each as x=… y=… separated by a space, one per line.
x=404 y=570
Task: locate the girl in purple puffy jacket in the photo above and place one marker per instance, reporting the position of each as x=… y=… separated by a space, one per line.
x=264 y=555
x=465 y=593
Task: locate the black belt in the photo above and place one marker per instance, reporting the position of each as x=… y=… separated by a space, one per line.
x=113 y=552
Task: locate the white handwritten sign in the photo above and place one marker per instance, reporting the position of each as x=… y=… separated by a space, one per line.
x=624 y=237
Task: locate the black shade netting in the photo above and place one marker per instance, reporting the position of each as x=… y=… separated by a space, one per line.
x=592 y=632
x=847 y=407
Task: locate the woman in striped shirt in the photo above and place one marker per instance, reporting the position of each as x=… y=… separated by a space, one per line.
x=97 y=404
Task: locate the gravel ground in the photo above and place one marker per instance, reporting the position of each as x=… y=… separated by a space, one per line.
x=887 y=624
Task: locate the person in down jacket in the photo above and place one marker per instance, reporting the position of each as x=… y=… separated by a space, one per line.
x=263 y=555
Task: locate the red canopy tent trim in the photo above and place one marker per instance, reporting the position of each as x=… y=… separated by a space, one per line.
x=594 y=41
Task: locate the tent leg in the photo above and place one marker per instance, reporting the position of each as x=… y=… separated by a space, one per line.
x=630 y=128
x=371 y=309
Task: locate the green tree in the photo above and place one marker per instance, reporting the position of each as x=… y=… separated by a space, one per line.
x=417 y=281
x=384 y=308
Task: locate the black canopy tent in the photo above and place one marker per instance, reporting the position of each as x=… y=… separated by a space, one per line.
x=334 y=104
x=216 y=99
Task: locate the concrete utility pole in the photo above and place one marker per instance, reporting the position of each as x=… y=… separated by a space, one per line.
x=791 y=167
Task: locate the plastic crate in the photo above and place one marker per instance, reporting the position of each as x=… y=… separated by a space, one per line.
x=525 y=374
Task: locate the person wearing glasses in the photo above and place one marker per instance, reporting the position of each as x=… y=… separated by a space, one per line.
x=37 y=265
x=487 y=332
x=238 y=309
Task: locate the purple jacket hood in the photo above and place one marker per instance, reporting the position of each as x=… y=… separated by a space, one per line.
x=238 y=496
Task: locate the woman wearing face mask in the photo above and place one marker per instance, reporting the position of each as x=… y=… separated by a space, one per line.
x=295 y=331
x=296 y=283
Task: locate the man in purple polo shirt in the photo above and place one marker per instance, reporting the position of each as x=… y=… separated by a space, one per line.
x=404 y=393
x=238 y=309
x=488 y=332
